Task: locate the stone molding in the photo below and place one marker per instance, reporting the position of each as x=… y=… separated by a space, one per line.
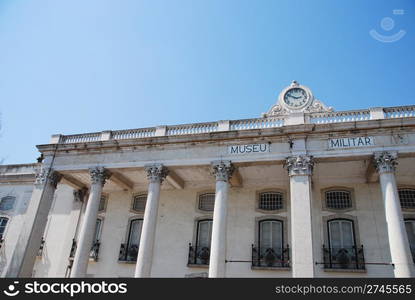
x=385 y=162
x=156 y=173
x=299 y=165
x=222 y=170
x=99 y=175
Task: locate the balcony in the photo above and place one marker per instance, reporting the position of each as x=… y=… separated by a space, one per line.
x=272 y=258
x=128 y=253
x=93 y=255
x=42 y=245
x=198 y=256
x=350 y=258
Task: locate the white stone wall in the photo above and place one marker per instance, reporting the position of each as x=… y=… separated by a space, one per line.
x=22 y=192
x=176 y=229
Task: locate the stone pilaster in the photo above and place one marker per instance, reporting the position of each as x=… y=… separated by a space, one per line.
x=29 y=240
x=300 y=169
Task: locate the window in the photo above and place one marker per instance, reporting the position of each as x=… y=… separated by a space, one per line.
x=129 y=250
x=200 y=253
x=102 y=204
x=410 y=230
x=338 y=199
x=270 y=201
x=139 y=203
x=407 y=198
x=3 y=224
x=96 y=243
x=7 y=203
x=204 y=233
x=342 y=252
x=270 y=251
x=97 y=230
x=207 y=201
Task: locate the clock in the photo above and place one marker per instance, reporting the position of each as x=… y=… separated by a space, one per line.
x=295 y=97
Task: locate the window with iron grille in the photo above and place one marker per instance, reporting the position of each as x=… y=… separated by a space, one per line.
x=7 y=203
x=102 y=204
x=207 y=202
x=407 y=198
x=271 y=201
x=338 y=199
x=139 y=203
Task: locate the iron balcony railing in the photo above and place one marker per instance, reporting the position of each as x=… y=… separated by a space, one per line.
x=95 y=250
x=42 y=245
x=270 y=257
x=344 y=258
x=128 y=253
x=198 y=255
x=93 y=253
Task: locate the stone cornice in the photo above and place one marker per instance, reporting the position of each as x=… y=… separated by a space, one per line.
x=311 y=130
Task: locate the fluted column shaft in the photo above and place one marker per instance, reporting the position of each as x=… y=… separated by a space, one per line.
x=385 y=163
x=300 y=170
x=87 y=230
x=156 y=174
x=223 y=171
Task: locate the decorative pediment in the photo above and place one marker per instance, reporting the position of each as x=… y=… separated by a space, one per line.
x=296 y=98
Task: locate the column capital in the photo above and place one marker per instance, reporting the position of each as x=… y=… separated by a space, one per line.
x=44 y=175
x=99 y=175
x=385 y=162
x=156 y=172
x=299 y=165
x=222 y=170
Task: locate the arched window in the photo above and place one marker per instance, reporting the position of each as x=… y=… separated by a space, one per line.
x=204 y=233
x=200 y=253
x=271 y=240
x=7 y=203
x=410 y=230
x=271 y=201
x=3 y=224
x=129 y=250
x=207 y=201
x=407 y=198
x=342 y=252
x=338 y=199
x=139 y=203
x=341 y=233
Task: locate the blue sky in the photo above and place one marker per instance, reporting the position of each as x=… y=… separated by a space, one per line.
x=82 y=66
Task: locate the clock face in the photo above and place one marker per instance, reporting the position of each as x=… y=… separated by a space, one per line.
x=295 y=97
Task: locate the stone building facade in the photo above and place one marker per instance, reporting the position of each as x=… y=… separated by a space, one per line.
x=303 y=191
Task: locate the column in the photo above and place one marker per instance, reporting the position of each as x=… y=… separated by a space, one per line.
x=27 y=247
x=223 y=171
x=385 y=163
x=86 y=233
x=300 y=169
x=156 y=173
